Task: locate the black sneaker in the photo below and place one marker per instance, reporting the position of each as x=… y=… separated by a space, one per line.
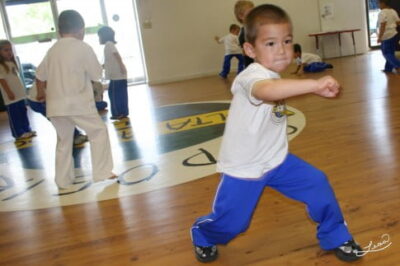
x=206 y=254
x=349 y=251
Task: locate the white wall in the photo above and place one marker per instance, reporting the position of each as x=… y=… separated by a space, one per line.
x=347 y=14
x=178 y=35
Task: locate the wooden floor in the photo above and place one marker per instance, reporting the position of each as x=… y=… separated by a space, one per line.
x=355 y=139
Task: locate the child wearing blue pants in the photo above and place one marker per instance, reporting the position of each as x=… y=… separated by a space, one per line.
x=115 y=71
x=254 y=150
x=13 y=92
x=308 y=62
x=388 y=21
x=232 y=49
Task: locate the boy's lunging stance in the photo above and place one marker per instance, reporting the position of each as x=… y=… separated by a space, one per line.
x=254 y=152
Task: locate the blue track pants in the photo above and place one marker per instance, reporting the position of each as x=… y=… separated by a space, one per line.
x=236 y=200
x=226 y=67
x=316 y=67
x=388 y=48
x=118 y=94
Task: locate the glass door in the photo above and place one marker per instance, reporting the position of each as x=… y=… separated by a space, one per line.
x=31 y=27
x=121 y=16
x=32 y=31
x=372 y=17
x=2 y=36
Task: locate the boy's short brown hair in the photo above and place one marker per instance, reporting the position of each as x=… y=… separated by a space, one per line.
x=240 y=7
x=70 y=21
x=261 y=15
x=234 y=27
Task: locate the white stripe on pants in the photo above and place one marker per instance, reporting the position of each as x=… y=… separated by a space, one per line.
x=100 y=148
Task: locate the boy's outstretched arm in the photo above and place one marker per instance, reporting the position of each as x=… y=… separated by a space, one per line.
x=279 y=89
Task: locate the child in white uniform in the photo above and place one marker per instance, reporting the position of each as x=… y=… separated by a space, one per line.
x=388 y=20
x=232 y=49
x=308 y=62
x=115 y=71
x=67 y=71
x=254 y=151
x=13 y=93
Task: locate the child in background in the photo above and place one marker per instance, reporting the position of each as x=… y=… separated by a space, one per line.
x=115 y=71
x=388 y=20
x=308 y=62
x=241 y=9
x=67 y=71
x=254 y=151
x=40 y=107
x=232 y=49
x=13 y=92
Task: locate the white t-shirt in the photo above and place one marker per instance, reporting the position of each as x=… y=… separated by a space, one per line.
x=111 y=65
x=231 y=44
x=69 y=67
x=255 y=139
x=14 y=83
x=308 y=58
x=389 y=16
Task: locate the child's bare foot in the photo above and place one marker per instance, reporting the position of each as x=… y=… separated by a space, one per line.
x=114 y=176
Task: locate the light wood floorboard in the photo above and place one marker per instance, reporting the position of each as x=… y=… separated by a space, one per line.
x=354 y=139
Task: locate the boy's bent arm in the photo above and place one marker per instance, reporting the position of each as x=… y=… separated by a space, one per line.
x=382 y=28
x=279 y=89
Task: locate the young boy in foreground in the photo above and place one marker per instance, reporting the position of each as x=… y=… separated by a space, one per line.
x=254 y=151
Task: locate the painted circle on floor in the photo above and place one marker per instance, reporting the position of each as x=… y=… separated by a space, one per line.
x=172 y=145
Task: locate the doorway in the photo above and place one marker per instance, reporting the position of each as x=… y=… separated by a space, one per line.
x=372 y=22
x=31 y=25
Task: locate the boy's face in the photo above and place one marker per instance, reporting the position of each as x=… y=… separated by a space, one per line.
x=235 y=31
x=273 y=47
x=6 y=52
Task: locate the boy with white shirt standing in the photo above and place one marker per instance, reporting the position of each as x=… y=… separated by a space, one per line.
x=115 y=71
x=66 y=72
x=232 y=49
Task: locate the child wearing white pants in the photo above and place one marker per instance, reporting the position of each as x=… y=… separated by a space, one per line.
x=67 y=71
x=100 y=148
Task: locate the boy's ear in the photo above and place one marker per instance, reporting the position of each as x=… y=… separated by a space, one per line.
x=249 y=50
